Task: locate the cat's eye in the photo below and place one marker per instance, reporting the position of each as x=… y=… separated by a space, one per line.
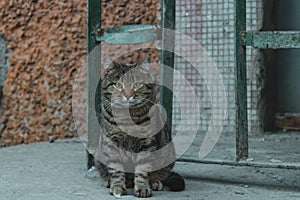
x=118 y=86
x=137 y=85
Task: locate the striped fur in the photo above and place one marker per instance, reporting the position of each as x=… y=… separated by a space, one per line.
x=123 y=86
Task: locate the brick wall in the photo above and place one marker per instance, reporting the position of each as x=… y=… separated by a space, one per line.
x=46 y=43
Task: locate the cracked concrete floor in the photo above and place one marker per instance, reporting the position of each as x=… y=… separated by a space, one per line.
x=57 y=171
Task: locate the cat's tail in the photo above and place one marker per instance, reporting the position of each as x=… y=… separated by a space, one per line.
x=174 y=182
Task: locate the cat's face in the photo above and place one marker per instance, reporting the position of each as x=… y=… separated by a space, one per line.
x=127 y=85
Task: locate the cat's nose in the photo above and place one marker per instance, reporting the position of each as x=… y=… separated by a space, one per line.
x=131 y=100
x=127 y=95
x=125 y=99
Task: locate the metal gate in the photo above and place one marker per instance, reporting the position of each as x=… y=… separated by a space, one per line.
x=123 y=35
x=256 y=39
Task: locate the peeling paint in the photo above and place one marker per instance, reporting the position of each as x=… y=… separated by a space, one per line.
x=273 y=39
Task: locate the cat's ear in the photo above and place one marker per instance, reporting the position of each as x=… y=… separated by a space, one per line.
x=109 y=63
x=145 y=64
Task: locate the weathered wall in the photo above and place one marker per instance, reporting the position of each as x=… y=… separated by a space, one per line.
x=46 y=41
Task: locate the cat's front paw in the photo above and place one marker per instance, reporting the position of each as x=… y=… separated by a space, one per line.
x=143 y=193
x=117 y=191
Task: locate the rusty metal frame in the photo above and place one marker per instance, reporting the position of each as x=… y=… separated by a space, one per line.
x=241 y=81
x=256 y=39
x=273 y=39
x=281 y=165
x=93 y=74
x=168 y=22
x=262 y=40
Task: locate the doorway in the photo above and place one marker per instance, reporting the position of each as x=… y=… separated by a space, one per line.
x=286 y=75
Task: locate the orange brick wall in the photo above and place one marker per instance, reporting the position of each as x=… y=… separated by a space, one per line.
x=46 y=42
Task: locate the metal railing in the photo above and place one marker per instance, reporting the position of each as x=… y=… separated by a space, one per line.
x=256 y=39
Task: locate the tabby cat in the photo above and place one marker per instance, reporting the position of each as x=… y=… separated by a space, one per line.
x=128 y=140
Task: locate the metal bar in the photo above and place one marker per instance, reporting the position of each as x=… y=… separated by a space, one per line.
x=283 y=165
x=90 y=160
x=241 y=81
x=168 y=22
x=129 y=34
x=273 y=39
x=93 y=74
x=93 y=23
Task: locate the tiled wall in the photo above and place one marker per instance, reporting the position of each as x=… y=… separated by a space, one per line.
x=211 y=23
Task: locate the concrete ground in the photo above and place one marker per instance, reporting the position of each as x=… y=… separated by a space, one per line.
x=57 y=171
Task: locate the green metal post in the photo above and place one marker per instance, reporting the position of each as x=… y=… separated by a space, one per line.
x=168 y=22
x=93 y=74
x=241 y=81
x=93 y=22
